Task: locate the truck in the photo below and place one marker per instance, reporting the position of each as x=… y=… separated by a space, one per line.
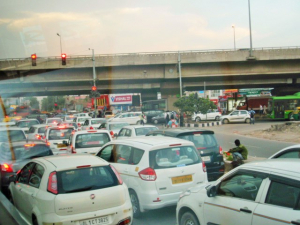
x=253 y=103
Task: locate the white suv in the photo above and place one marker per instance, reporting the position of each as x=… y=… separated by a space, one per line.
x=155 y=169
x=262 y=192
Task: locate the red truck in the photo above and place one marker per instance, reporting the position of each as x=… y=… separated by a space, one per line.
x=253 y=103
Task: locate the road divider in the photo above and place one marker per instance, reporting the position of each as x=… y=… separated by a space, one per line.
x=203 y=124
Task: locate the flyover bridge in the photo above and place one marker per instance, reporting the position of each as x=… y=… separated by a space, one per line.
x=149 y=73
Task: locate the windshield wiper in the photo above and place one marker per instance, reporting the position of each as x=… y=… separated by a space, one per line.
x=80 y=189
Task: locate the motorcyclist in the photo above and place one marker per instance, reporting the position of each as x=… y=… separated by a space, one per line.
x=239 y=153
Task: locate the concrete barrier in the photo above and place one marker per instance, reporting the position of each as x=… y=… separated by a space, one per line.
x=8 y=213
x=203 y=124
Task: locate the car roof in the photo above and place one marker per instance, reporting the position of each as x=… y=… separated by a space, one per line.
x=73 y=161
x=91 y=131
x=176 y=132
x=54 y=118
x=139 y=126
x=18 y=143
x=10 y=128
x=114 y=122
x=27 y=120
x=40 y=125
x=282 y=166
x=285 y=149
x=152 y=141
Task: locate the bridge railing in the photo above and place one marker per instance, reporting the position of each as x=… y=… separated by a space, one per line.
x=79 y=57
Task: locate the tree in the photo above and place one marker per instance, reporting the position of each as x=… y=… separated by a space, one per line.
x=192 y=103
x=33 y=102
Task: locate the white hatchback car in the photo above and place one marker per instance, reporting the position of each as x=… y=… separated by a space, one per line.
x=57 y=138
x=92 y=123
x=88 y=141
x=53 y=121
x=135 y=130
x=78 y=189
x=212 y=114
x=262 y=192
x=36 y=132
x=128 y=117
x=237 y=116
x=80 y=121
x=155 y=169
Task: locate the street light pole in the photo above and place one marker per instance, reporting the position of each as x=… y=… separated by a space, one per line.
x=60 y=43
x=179 y=69
x=250 y=53
x=94 y=80
x=234 y=36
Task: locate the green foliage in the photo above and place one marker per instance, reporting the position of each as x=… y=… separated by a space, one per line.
x=48 y=103
x=192 y=103
x=33 y=102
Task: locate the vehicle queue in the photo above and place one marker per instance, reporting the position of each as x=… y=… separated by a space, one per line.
x=116 y=175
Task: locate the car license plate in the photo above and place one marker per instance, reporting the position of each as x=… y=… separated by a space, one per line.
x=206 y=158
x=95 y=221
x=182 y=179
x=61 y=145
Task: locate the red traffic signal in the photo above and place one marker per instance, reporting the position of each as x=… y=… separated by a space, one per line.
x=63 y=59
x=33 y=59
x=94 y=88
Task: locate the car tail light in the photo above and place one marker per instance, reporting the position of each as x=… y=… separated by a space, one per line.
x=148 y=174
x=117 y=174
x=37 y=136
x=91 y=128
x=201 y=148
x=6 y=168
x=92 y=131
x=73 y=132
x=203 y=167
x=111 y=133
x=52 y=183
x=83 y=166
x=73 y=150
x=29 y=145
x=220 y=150
x=79 y=124
x=174 y=145
x=47 y=142
x=125 y=221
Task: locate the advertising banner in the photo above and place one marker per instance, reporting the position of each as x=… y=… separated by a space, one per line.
x=120 y=99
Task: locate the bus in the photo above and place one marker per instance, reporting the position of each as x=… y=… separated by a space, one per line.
x=282 y=107
x=160 y=104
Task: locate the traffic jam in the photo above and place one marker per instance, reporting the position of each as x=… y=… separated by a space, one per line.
x=110 y=166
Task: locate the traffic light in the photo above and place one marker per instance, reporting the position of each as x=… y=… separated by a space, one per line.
x=63 y=59
x=55 y=105
x=94 y=92
x=33 y=59
x=94 y=88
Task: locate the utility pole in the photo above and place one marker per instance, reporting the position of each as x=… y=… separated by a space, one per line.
x=179 y=70
x=250 y=52
x=94 y=81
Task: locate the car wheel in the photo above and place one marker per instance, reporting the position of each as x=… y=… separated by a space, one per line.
x=217 y=118
x=198 y=119
x=135 y=204
x=188 y=218
x=225 y=121
x=155 y=121
x=34 y=220
x=247 y=120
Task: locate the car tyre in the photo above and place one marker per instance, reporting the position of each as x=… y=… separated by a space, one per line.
x=155 y=121
x=135 y=204
x=225 y=121
x=198 y=119
x=247 y=120
x=188 y=218
x=217 y=118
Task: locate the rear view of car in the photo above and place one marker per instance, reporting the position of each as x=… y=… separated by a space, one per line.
x=155 y=169
x=77 y=189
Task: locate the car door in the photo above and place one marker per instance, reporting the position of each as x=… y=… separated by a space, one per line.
x=235 y=199
x=31 y=133
x=280 y=203
x=243 y=116
x=18 y=189
x=234 y=116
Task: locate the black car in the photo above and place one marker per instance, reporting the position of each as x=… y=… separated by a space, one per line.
x=159 y=119
x=205 y=142
x=152 y=113
x=15 y=155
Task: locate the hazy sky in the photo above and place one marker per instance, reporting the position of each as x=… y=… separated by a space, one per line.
x=128 y=26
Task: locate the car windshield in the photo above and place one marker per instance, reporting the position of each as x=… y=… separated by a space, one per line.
x=59 y=134
x=90 y=140
x=144 y=130
x=201 y=141
x=85 y=179
x=25 y=151
x=12 y=135
x=173 y=157
x=27 y=123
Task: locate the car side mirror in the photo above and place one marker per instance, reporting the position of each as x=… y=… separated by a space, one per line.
x=12 y=178
x=26 y=132
x=211 y=191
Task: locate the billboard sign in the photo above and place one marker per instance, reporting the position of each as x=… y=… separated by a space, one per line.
x=120 y=99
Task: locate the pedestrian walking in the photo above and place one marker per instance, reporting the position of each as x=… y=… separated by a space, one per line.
x=260 y=110
x=252 y=112
x=173 y=123
x=142 y=117
x=167 y=117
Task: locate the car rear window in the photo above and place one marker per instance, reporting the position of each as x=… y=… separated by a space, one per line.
x=59 y=134
x=201 y=140
x=54 y=121
x=26 y=151
x=144 y=130
x=27 y=123
x=97 y=121
x=117 y=126
x=173 y=157
x=41 y=130
x=13 y=135
x=90 y=140
x=86 y=179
